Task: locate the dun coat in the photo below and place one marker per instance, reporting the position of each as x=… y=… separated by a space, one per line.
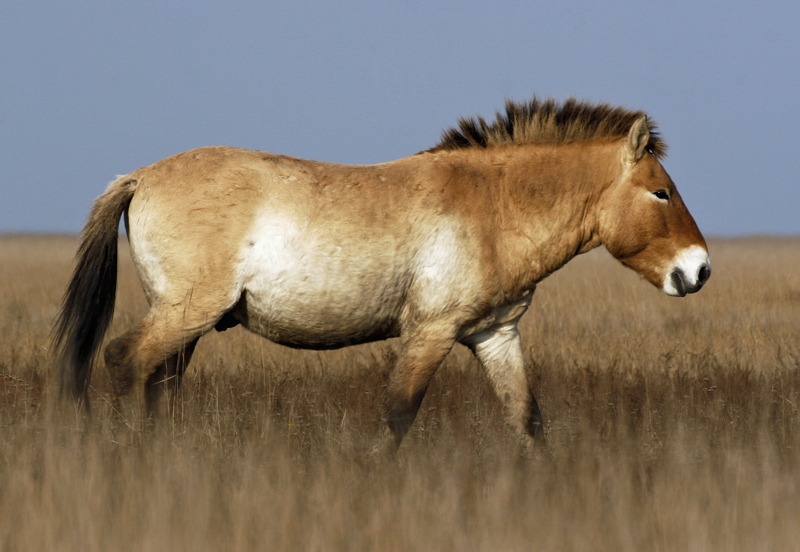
x=439 y=248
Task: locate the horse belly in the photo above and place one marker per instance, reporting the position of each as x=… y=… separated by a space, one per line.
x=320 y=291
x=306 y=316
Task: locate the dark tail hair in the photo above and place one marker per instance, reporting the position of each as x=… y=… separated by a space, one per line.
x=88 y=304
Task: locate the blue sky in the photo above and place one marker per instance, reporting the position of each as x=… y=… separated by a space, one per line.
x=94 y=89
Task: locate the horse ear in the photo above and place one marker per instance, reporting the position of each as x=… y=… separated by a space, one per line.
x=638 y=137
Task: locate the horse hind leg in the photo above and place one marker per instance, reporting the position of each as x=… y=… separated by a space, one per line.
x=167 y=378
x=150 y=358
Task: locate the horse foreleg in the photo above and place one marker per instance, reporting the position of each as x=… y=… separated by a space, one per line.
x=499 y=351
x=420 y=357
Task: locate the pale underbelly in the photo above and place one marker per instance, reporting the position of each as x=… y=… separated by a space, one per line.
x=323 y=320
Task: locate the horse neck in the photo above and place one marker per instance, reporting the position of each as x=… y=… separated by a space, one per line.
x=546 y=205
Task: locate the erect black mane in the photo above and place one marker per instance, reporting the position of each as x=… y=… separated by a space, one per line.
x=548 y=121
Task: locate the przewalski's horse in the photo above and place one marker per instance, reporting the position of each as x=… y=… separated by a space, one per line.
x=439 y=248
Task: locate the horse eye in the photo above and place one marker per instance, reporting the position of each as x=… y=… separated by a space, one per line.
x=661 y=194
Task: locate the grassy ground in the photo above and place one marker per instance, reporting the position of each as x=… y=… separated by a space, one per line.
x=672 y=424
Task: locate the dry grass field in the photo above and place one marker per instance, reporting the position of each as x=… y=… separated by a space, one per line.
x=672 y=424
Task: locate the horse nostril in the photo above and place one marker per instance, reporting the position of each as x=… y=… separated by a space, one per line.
x=703 y=274
x=678 y=283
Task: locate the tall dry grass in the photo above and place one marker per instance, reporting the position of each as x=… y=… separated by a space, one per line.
x=672 y=425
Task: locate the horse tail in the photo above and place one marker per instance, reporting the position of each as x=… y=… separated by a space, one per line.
x=88 y=304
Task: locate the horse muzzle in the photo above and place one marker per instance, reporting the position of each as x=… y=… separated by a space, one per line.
x=688 y=273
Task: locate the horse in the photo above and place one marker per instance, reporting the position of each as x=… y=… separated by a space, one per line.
x=442 y=247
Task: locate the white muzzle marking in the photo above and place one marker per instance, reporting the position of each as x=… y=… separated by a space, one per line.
x=688 y=272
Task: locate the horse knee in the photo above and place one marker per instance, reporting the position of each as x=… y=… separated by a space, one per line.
x=406 y=391
x=533 y=422
x=521 y=411
x=400 y=413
